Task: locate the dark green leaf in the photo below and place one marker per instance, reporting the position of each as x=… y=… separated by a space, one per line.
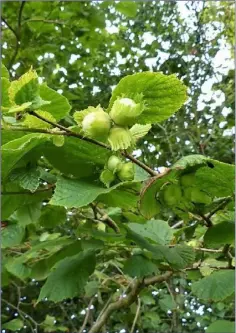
x=220 y=234
x=220 y=326
x=12 y=235
x=139 y=266
x=71 y=275
x=216 y=287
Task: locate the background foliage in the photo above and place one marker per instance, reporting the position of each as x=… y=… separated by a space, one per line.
x=82 y=50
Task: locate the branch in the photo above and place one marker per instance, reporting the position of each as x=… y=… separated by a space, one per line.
x=81 y=330
x=81 y=137
x=157 y=279
x=23 y=314
x=178 y=224
x=44 y=21
x=136 y=316
x=125 y=302
x=20 y=13
x=9 y=27
x=106 y=219
x=67 y=317
x=220 y=206
x=207 y=220
x=18 y=35
x=174 y=323
x=207 y=250
x=226 y=252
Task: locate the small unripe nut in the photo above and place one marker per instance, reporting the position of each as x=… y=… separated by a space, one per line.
x=113 y=163
x=125 y=111
x=97 y=124
x=126 y=173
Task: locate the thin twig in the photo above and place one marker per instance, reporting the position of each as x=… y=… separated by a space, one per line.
x=17 y=35
x=207 y=250
x=207 y=220
x=174 y=323
x=226 y=252
x=220 y=206
x=44 y=21
x=106 y=219
x=81 y=137
x=86 y=317
x=9 y=27
x=178 y=224
x=67 y=317
x=136 y=316
x=22 y=313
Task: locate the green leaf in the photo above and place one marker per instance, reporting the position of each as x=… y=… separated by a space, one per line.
x=147 y=297
x=4 y=71
x=88 y=155
x=216 y=287
x=151 y=320
x=28 y=178
x=74 y=193
x=149 y=205
x=41 y=269
x=220 y=234
x=193 y=274
x=33 y=122
x=78 y=193
x=128 y=8
x=49 y=321
x=74 y=271
x=139 y=266
x=220 y=326
x=28 y=214
x=19 y=108
x=5 y=102
x=59 y=106
x=141 y=241
x=190 y=161
x=11 y=202
x=91 y=288
x=52 y=216
x=13 y=325
x=26 y=90
x=9 y=135
x=12 y=235
x=14 y=151
x=120 y=197
x=51 y=246
x=98 y=235
x=217 y=179
x=167 y=303
x=21 y=271
x=178 y=257
x=156 y=230
x=163 y=95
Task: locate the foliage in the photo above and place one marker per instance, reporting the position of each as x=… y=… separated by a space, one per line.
x=128 y=244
